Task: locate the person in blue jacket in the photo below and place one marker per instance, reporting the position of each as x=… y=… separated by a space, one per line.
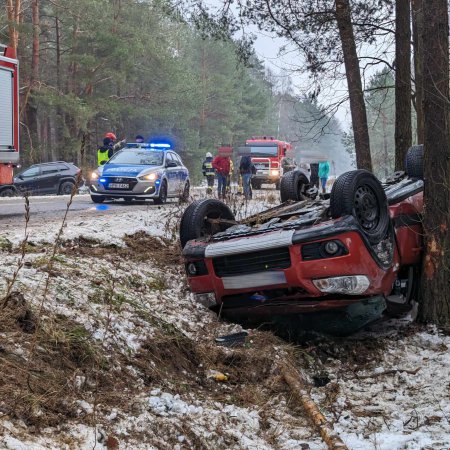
x=324 y=170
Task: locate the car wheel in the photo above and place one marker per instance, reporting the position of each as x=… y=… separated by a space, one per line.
x=293 y=186
x=97 y=198
x=360 y=194
x=162 y=194
x=66 y=188
x=8 y=192
x=194 y=222
x=184 y=197
x=414 y=162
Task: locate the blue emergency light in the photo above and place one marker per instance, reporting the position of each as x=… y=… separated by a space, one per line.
x=160 y=145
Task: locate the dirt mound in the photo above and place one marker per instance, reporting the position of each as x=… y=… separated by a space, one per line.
x=140 y=246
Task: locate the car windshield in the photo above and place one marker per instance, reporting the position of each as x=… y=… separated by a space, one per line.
x=262 y=151
x=144 y=158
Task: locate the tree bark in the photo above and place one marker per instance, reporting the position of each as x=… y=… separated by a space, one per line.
x=417 y=22
x=403 y=132
x=435 y=286
x=13 y=12
x=357 y=105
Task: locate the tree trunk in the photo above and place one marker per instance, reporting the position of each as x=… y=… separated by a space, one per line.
x=357 y=105
x=417 y=21
x=13 y=12
x=435 y=286
x=403 y=133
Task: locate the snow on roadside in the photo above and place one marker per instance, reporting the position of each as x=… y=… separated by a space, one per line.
x=388 y=405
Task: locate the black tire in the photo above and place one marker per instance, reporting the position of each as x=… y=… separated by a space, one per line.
x=66 y=188
x=256 y=184
x=414 y=162
x=97 y=198
x=184 y=197
x=162 y=198
x=193 y=224
x=293 y=186
x=8 y=192
x=360 y=194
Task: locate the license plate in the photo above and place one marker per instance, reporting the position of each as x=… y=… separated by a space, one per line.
x=260 y=166
x=118 y=186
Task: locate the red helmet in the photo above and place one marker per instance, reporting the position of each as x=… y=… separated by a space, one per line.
x=111 y=135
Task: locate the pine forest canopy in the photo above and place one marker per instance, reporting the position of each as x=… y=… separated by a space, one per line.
x=135 y=67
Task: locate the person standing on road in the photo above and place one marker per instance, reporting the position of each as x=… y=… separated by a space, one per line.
x=221 y=165
x=314 y=174
x=208 y=172
x=324 y=170
x=105 y=152
x=247 y=169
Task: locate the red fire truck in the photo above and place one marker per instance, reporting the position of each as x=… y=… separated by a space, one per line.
x=267 y=153
x=9 y=118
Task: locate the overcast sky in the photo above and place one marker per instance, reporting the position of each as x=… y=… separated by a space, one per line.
x=285 y=63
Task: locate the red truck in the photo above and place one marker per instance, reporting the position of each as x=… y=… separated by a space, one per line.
x=9 y=118
x=267 y=153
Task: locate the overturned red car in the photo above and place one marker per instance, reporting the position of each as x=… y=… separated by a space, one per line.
x=323 y=264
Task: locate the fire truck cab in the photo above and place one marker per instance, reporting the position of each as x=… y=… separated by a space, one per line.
x=9 y=118
x=266 y=153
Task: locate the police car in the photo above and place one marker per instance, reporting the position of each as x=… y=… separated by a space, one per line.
x=141 y=171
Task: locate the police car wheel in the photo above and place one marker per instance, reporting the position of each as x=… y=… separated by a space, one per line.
x=162 y=198
x=97 y=198
x=184 y=197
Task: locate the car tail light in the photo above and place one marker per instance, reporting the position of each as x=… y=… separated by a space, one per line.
x=352 y=285
x=275 y=165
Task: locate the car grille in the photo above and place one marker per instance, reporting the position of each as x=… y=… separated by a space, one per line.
x=245 y=263
x=122 y=180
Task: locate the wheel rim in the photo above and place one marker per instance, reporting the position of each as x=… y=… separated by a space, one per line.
x=366 y=208
x=208 y=228
x=67 y=189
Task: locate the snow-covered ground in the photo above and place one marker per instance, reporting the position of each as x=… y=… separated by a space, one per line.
x=118 y=286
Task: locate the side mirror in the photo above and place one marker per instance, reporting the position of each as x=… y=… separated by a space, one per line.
x=20 y=177
x=171 y=164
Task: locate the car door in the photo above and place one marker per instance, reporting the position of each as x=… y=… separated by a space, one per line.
x=48 y=180
x=181 y=175
x=171 y=171
x=27 y=181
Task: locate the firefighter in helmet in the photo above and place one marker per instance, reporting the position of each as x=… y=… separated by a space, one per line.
x=109 y=147
x=105 y=152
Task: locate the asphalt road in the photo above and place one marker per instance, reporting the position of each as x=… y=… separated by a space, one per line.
x=42 y=208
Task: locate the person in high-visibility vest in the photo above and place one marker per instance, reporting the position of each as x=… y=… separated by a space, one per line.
x=105 y=151
x=209 y=172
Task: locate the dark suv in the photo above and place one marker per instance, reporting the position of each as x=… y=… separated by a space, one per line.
x=48 y=178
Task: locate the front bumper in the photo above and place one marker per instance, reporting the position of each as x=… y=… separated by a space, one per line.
x=290 y=290
x=136 y=189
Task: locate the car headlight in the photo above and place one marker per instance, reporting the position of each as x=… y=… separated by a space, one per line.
x=94 y=176
x=149 y=177
x=352 y=284
x=274 y=173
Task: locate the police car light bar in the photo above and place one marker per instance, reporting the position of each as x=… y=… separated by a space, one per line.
x=159 y=145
